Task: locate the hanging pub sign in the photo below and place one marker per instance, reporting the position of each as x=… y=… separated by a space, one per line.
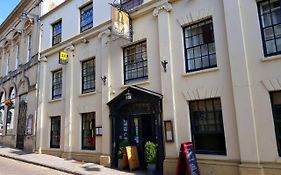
x=63 y=58
x=187 y=162
x=120 y=23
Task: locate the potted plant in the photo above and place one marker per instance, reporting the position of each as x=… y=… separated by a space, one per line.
x=150 y=154
x=121 y=154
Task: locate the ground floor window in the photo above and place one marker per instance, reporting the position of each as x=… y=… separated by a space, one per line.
x=55 y=132
x=207 y=126
x=276 y=110
x=88 y=131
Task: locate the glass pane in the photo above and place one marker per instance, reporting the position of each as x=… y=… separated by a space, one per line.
x=188 y=42
x=198 y=63
x=204 y=49
x=277 y=30
x=276 y=98
x=268 y=33
x=217 y=104
x=266 y=20
x=197 y=52
x=213 y=60
x=205 y=61
x=278 y=42
x=264 y=7
x=270 y=46
x=191 y=65
x=212 y=48
x=276 y=16
x=190 y=53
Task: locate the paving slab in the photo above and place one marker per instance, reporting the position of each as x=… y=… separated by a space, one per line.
x=57 y=163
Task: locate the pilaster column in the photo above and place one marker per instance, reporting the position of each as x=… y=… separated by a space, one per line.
x=42 y=103
x=68 y=95
x=242 y=90
x=105 y=56
x=167 y=79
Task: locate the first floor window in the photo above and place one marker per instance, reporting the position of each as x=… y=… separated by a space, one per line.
x=11 y=109
x=276 y=110
x=57 y=84
x=270 y=22
x=88 y=76
x=135 y=63
x=200 y=50
x=88 y=131
x=2 y=107
x=55 y=132
x=57 y=30
x=207 y=126
x=86 y=17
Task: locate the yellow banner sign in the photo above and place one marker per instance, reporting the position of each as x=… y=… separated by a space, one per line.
x=63 y=58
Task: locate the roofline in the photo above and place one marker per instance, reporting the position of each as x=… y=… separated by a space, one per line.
x=21 y=5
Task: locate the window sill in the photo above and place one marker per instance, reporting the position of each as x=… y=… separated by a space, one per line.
x=200 y=72
x=211 y=157
x=87 y=94
x=271 y=58
x=55 y=100
x=136 y=84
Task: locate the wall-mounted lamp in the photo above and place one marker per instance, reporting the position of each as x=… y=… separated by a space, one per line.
x=164 y=65
x=128 y=95
x=103 y=79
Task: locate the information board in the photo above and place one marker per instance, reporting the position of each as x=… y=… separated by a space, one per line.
x=187 y=162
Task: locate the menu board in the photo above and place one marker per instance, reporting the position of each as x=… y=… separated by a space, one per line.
x=133 y=158
x=187 y=162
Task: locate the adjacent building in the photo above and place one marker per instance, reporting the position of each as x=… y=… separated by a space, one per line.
x=19 y=51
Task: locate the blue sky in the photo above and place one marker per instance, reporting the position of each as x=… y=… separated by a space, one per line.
x=6 y=7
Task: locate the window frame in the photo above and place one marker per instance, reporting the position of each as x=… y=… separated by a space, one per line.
x=195 y=133
x=93 y=130
x=269 y=26
x=143 y=68
x=56 y=96
x=88 y=25
x=92 y=76
x=52 y=145
x=59 y=35
x=128 y=5
x=275 y=121
x=185 y=37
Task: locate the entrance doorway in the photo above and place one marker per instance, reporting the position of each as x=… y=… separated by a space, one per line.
x=137 y=120
x=21 y=122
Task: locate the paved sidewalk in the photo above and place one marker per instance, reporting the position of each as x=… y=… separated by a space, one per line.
x=68 y=166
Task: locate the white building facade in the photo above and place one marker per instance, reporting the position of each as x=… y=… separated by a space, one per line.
x=210 y=68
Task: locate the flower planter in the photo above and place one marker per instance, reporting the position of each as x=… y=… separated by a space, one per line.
x=151 y=168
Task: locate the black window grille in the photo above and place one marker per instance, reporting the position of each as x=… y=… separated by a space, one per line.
x=57 y=30
x=135 y=63
x=207 y=126
x=88 y=131
x=130 y=4
x=270 y=22
x=88 y=76
x=57 y=84
x=276 y=110
x=86 y=17
x=55 y=132
x=200 y=51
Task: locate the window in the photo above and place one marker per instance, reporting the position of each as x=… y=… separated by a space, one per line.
x=130 y=4
x=29 y=46
x=200 y=52
x=135 y=63
x=2 y=108
x=86 y=15
x=88 y=76
x=276 y=110
x=57 y=33
x=88 y=131
x=55 y=132
x=57 y=84
x=7 y=64
x=17 y=56
x=11 y=108
x=207 y=126
x=270 y=22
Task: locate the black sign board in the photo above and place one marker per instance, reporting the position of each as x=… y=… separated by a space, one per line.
x=187 y=162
